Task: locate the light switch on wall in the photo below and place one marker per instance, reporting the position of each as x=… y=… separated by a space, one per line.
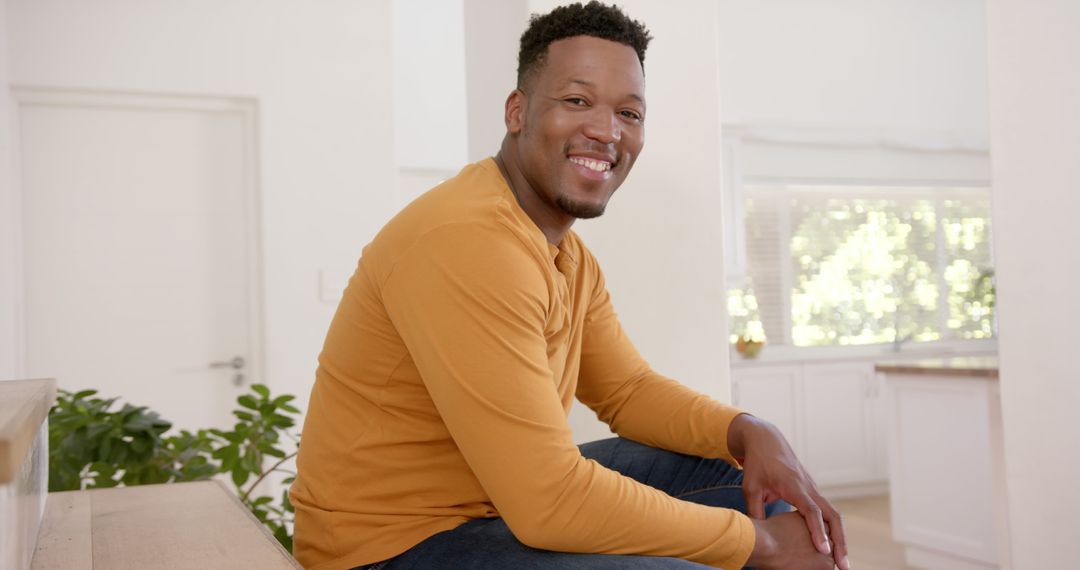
x=332 y=283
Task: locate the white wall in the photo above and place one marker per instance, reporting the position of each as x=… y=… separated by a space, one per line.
x=321 y=74
x=1034 y=89
x=8 y=219
x=429 y=84
x=882 y=65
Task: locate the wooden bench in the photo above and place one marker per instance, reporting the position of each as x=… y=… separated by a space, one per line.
x=177 y=525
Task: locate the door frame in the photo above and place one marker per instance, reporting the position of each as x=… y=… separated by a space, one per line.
x=245 y=108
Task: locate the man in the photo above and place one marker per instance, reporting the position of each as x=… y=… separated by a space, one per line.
x=437 y=433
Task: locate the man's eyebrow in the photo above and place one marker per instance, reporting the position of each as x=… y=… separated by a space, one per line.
x=590 y=84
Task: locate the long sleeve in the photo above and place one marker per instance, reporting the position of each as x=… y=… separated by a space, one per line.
x=635 y=401
x=476 y=312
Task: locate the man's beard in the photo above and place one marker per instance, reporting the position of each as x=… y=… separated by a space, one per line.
x=580 y=210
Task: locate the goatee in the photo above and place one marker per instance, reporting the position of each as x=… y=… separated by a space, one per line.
x=580 y=210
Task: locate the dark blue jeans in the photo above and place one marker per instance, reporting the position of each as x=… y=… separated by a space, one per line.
x=488 y=543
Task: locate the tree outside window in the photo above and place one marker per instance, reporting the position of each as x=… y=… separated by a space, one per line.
x=865 y=265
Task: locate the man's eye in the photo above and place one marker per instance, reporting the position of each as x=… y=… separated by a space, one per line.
x=633 y=115
x=576 y=101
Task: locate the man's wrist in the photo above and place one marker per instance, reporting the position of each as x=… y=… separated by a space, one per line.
x=739 y=434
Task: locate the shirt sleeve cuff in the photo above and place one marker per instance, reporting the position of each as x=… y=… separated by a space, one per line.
x=730 y=413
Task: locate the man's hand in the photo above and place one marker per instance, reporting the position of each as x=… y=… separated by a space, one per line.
x=783 y=544
x=771 y=471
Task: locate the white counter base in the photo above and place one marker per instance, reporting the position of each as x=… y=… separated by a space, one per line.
x=946 y=470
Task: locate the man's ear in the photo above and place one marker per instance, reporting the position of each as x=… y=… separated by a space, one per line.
x=514 y=115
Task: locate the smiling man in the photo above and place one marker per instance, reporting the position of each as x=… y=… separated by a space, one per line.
x=437 y=433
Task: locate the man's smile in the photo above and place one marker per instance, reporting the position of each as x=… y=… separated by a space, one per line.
x=593 y=168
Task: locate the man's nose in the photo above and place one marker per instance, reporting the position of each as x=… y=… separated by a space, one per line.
x=603 y=126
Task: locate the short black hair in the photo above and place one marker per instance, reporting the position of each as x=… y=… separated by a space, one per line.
x=593 y=19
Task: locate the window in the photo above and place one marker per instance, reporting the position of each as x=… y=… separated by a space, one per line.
x=851 y=264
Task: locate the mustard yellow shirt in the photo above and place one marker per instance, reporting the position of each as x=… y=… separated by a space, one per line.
x=443 y=389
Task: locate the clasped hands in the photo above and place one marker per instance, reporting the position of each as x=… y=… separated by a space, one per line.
x=810 y=538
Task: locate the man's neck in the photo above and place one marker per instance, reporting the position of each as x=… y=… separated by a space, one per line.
x=553 y=226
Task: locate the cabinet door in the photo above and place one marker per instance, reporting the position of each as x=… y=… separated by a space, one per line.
x=839 y=430
x=768 y=392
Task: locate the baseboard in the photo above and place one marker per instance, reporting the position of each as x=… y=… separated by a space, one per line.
x=856 y=490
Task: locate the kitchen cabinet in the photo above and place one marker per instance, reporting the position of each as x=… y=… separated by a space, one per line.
x=838 y=420
x=947 y=464
x=829 y=412
x=769 y=393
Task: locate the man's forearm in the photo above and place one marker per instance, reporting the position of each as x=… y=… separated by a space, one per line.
x=663 y=413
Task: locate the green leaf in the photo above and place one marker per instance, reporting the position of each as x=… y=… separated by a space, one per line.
x=248 y=402
x=281 y=421
x=240 y=476
x=261 y=500
x=282 y=400
x=140 y=445
x=250 y=460
x=261 y=389
x=273 y=452
x=106 y=447
x=283 y=536
x=81 y=395
x=259 y=514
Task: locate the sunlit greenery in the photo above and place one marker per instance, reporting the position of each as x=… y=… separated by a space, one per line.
x=969 y=275
x=863 y=266
x=745 y=317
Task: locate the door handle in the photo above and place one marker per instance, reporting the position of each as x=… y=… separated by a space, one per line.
x=236 y=363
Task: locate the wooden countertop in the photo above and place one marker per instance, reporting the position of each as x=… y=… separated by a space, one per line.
x=961 y=366
x=176 y=525
x=24 y=405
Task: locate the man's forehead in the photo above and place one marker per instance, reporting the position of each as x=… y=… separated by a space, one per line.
x=593 y=62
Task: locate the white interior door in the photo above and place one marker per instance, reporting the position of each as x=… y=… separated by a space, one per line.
x=138 y=259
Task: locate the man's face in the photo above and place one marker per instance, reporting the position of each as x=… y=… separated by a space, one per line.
x=580 y=126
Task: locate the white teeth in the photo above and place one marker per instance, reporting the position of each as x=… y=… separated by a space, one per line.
x=597 y=165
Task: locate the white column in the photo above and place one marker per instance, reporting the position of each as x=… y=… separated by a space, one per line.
x=9 y=217
x=1035 y=142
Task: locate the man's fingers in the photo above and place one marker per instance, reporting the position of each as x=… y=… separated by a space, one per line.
x=755 y=503
x=811 y=513
x=836 y=533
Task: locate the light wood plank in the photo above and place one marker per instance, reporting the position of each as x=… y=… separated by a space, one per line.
x=180 y=525
x=869 y=534
x=64 y=540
